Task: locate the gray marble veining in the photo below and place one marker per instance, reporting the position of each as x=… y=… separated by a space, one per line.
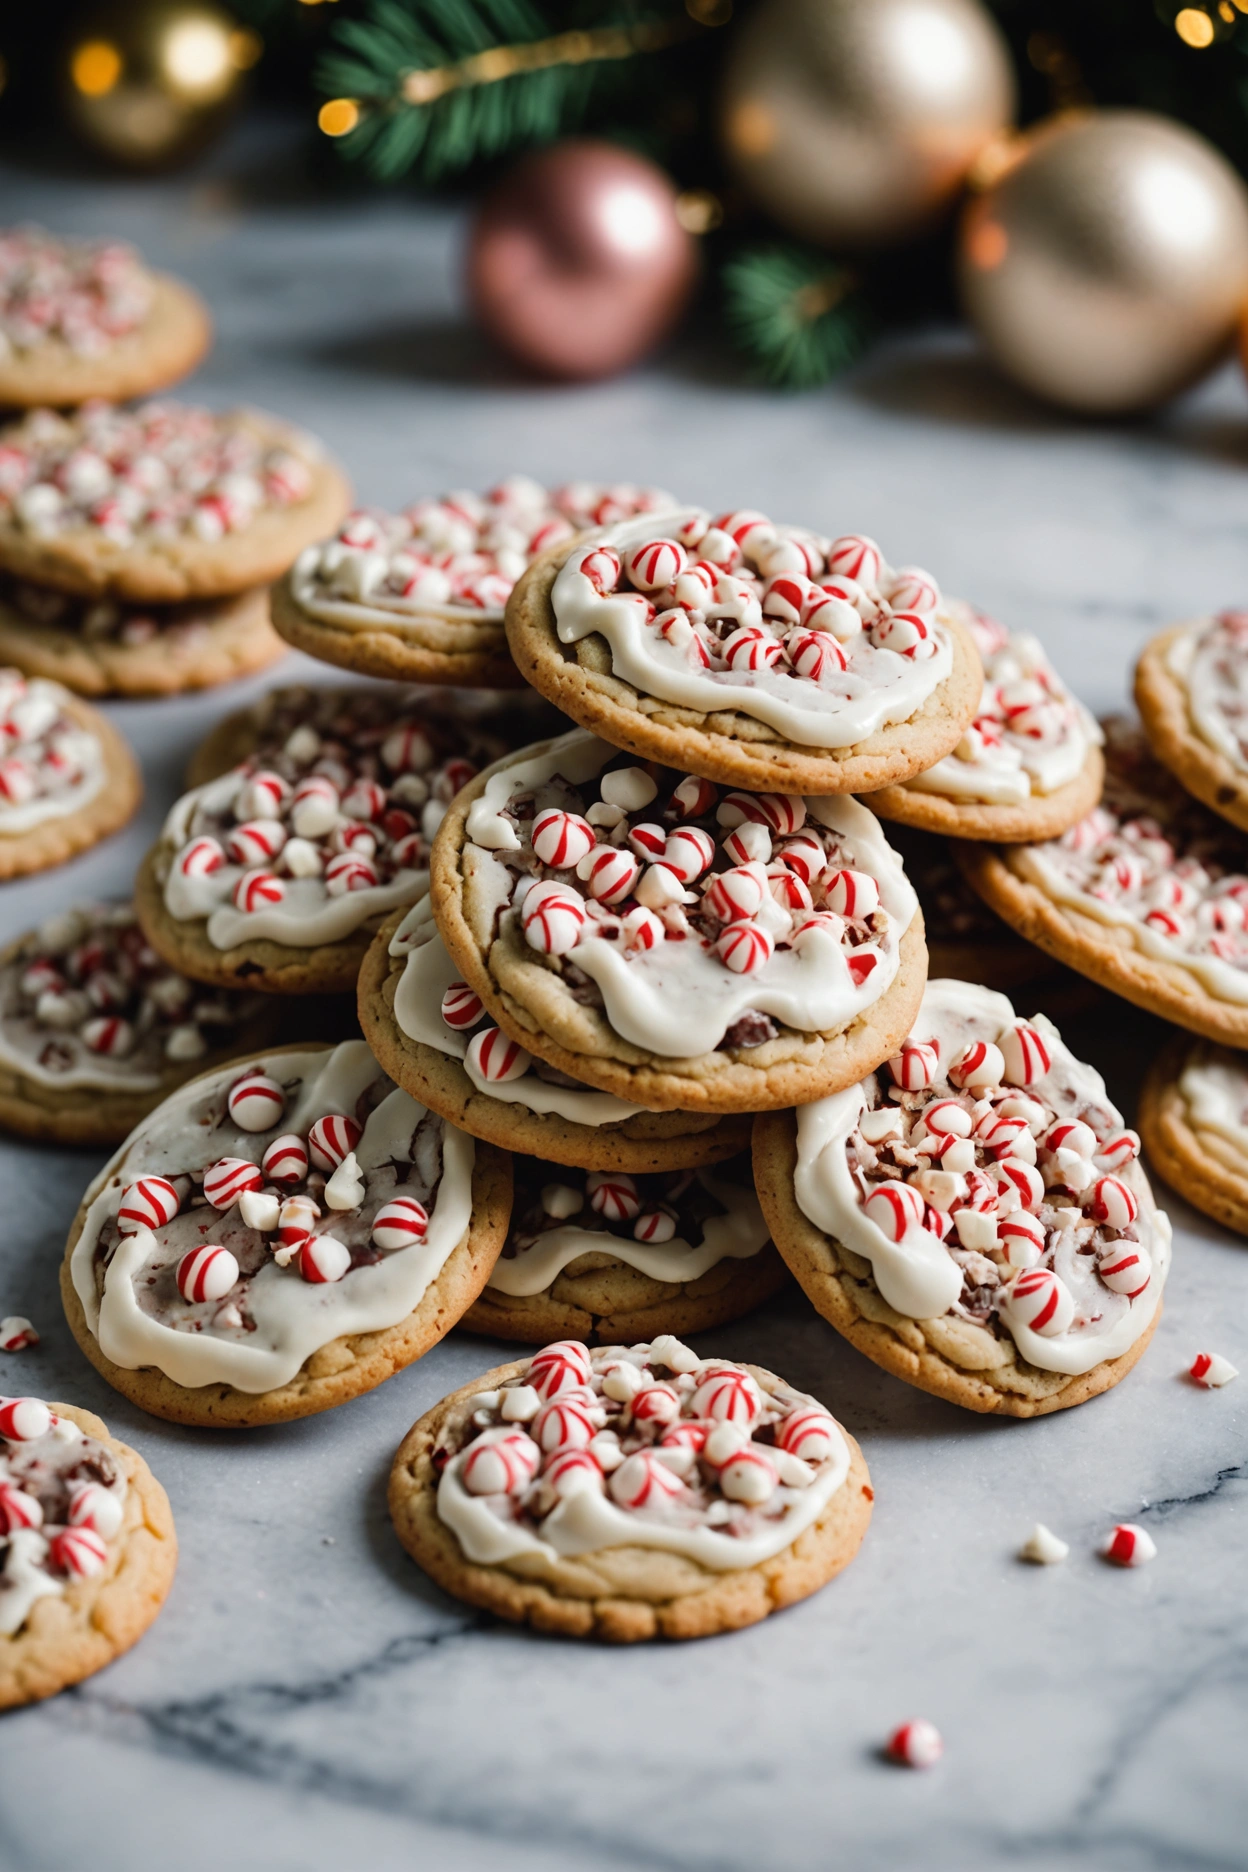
x=307 y=1699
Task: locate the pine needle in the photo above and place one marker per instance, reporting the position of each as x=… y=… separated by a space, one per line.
x=800 y=317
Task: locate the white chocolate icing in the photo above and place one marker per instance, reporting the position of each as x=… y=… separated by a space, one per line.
x=1030 y=737
x=494 y=1529
x=1215 y=1086
x=44 y=1468
x=918 y=1275
x=878 y=688
x=50 y=765
x=678 y=999
x=290 y=1318
x=1209 y=659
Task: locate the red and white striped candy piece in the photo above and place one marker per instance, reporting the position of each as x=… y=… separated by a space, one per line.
x=1210 y=1370
x=648 y=841
x=655 y=563
x=816 y=654
x=751 y=648
x=553 y=919
x=1021 y=1237
x=1118 y=1151
x=355 y=836
x=654 y=1225
x=226 y=1180
x=693 y=798
x=564 y=1423
x=782 y=812
x=95 y=1507
x=200 y=858
x=365 y=799
x=852 y=894
x=501 y=1464
x=295 y=1219
x=861 y=964
x=256 y=1102
x=406 y=749
x=610 y=874
x=1001 y=1135
x=916 y=1066
x=907 y=633
x=16 y=1334
x=748 y=1476
x=1025 y=1053
x=978 y=1065
x=461 y=1007
x=916 y=1744
x=256 y=890
x=643 y=929
x=1022 y=1182
x=108 y=1035
x=1113 y=1202
x=207 y=1273
x=257 y=842
x=912 y=589
x=807 y=1432
x=323 y=1259
x=946 y=1118
x=18 y=1509
x=1040 y=1299
x=24 y=1419
x=495 y=1058
x=263 y=796
x=688 y=850
x=644 y=1481
x=148 y=1202
x=737 y=893
x=744 y=947
x=895 y=1208
x=1126 y=1268
x=570 y=1471
x=686 y=1436
x=855 y=556
x=784 y=597
x=748 y=844
x=286 y=1159
x=347 y=872
x=1128 y=1545
x=656 y=1404
x=78 y=1551
x=562 y=838
x=613 y=1194
x=727 y=1394
x=601 y=566
x=803 y=856
x=332 y=1138
x=1070 y=1134
x=562 y=1366
x=400 y=1223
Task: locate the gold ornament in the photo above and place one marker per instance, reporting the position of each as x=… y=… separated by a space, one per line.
x=854 y=122
x=1105 y=269
x=149 y=82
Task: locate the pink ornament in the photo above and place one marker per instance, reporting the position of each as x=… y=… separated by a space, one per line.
x=601 y=566
x=1126 y=1268
x=654 y=564
x=207 y=1273
x=1022 y=1238
x=149 y=1202
x=895 y=1208
x=562 y=839
x=461 y=1006
x=78 y=1551
x=744 y=947
x=286 y=1159
x=502 y=1465
x=255 y=1102
x=693 y=798
x=917 y=1744
x=857 y=557
x=808 y=1432
x=688 y=851
x=200 y=858
x=612 y=1194
x=644 y=1481
x=495 y=1058
x=751 y=648
x=349 y=872
x=364 y=799
x=905 y=632
x=657 y=1404
x=611 y=874
x=1113 y=1202
x=726 y=1394
x=564 y=1423
x=399 y=1223
x=256 y=842
x=24 y=1419
x=18 y=1509
x=1041 y=1300
x=851 y=894
x=331 y=1140
x=227 y=1180
x=323 y=1259
x=559 y=1367
x=978 y=1065
x=1026 y=1054
x=1128 y=1546
x=256 y=890
x=553 y=919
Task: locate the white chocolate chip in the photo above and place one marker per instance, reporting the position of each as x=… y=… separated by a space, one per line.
x=519 y=1404
x=560 y=1200
x=301 y=858
x=314 y=816
x=304 y=744
x=345 y=1189
x=672 y=1353
x=960 y=1156
x=622 y=1383
x=941 y=1188
x=629 y=787
x=259 y=1209
x=976 y=1230
x=185 y=1042
x=606 y=1447
x=755 y=841
x=1042 y=1547
x=659 y=886
x=485 y=1400
x=602 y=813
x=875 y=1126
x=724 y=1441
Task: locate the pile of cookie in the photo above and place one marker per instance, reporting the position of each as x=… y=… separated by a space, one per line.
x=648 y=1031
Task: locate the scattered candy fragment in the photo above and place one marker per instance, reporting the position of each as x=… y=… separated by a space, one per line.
x=1128 y=1545
x=1207 y=1369
x=917 y=1744
x=1042 y=1547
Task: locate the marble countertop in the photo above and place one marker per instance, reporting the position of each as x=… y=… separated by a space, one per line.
x=307 y=1699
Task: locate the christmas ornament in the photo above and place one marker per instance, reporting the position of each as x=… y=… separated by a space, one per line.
x=148 y=82
x=854 y=122
x=578 y=264
x=1106 y=268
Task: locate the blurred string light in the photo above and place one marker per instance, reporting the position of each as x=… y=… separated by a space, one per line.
x=149 y=81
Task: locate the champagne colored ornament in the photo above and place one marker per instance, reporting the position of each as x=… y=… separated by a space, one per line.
x=854 y=122
x=1106 y=268
x=148 y=83
x=578 y=264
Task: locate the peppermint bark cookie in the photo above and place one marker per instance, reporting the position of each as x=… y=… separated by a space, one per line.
x=419 y=595
x=160 y=504
x=431 y=1033
x=277 y=873
x=95 y=1031
x=67 y=779
x=87 y=1548
x=630 y=1493
x=1147 y=895
x=1189 y=689
x=82 y=319
x=607 y=1256
x=675 y=947
x=1026 y=768
x=973 y=1218
x=757 y=655
x=99 y=647
x=276 y=1241
x=1194 y=1123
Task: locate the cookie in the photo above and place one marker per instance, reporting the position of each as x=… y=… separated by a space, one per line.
x=277 y=873
x=432 y=1035
x=1028 y=766
x=276 y=1240
x=95 y=1031
x=974 y=1218
x=630 y=1493
x=563 y=889
x=1193 y=1109
x=162 y=503
x=758 y=656
x=87 y=1548
x=1188 y=693
x=99 y=647
x=67 y=778
x=418 y=596
x=82 y=319
x=611 y=1257
x=1145 y=895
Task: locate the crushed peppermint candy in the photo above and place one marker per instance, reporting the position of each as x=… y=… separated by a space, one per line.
x=49 y=763
x=16 y=1334
x=1128 y=1546
x=1043 y=1547
x=62 y=1503
x=916 y=1744
x=1209 y=1370
x=110 y=620
x=82 y=294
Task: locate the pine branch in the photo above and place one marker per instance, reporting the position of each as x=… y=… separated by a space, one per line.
x=798 y=316
x=440 y=84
